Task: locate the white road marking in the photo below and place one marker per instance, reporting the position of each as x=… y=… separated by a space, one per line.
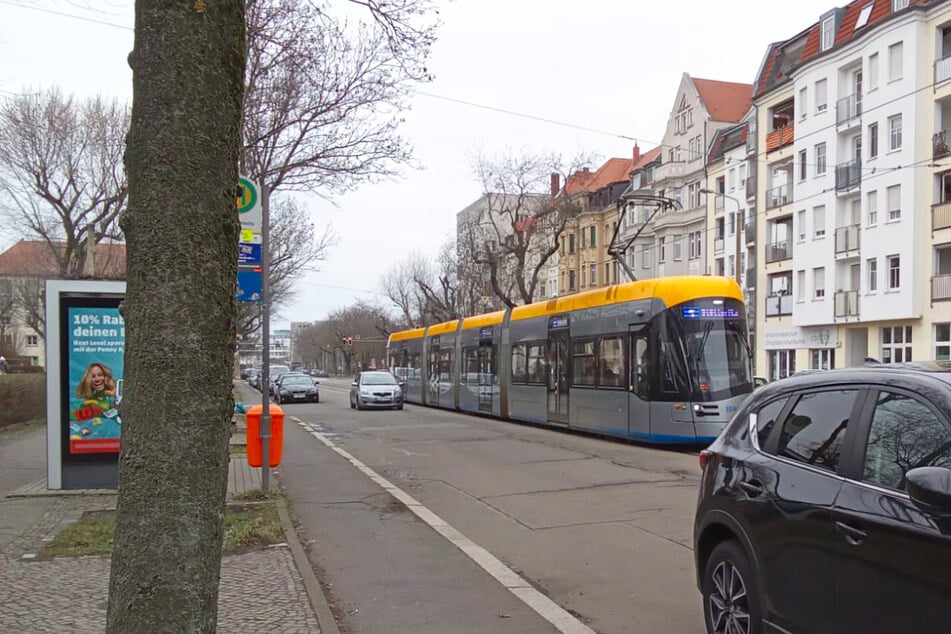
x=560 y=618
x=410 y=453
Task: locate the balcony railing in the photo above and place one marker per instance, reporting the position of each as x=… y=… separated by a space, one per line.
x=669 y=170
x=941 y=287
x=941 y=215
x=778 y=196
x=848 y=175
x=780 y=138
x=749 y=231
x=750 y=187
x=847 y=304
x=751 y=278
x=848 y=108
x=778 y=305
x=942 y=70
x=718 y=245
x=777 y=251
x=941 y=144
x=847 y=238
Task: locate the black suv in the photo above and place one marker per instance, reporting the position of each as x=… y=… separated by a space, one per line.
x=825 y=506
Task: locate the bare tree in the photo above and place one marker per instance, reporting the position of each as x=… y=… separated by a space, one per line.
x=61 y=171
x=512 y=232
x=29 y=302
x=323 y=96
x=182 y=160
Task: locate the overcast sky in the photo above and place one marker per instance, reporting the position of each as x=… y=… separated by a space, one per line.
x=604 y=64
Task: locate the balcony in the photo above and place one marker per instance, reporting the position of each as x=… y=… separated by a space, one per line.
x=778 y=251
x=751 y=187
x=665 y=171
x=751 y=278
x=848 y=111
x=778 y=196
x=778 y=305
x=848 y=175
x=780 y=138
x=749 y=231
x=718 y=245
x=941 y=288
x=847 y=238
x=941 y=144
x=847 y=304
x=941 y=215
x=942 y=70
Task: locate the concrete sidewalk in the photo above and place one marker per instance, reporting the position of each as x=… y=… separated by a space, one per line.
x=260 y=591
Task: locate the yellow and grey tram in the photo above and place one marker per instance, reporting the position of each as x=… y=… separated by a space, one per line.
x=664 y=360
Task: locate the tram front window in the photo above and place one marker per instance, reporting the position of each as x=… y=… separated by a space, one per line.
x=719 y=358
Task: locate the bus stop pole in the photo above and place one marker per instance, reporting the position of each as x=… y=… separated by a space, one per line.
x=265 y=427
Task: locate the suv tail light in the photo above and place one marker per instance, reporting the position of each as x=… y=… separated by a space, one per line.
x=705 y=458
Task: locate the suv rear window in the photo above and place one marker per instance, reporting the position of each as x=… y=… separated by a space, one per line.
x=814 y=430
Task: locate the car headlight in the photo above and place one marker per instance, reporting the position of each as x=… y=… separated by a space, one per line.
x=364 y=392
x=285 y=391
x=398 y=391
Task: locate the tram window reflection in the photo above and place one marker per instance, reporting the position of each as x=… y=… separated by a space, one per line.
x=585 y=363
x=536 y=363
x=612 y=362
x=470 y=365
x=519 y=371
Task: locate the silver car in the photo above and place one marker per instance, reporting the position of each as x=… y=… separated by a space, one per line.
x=376 y=389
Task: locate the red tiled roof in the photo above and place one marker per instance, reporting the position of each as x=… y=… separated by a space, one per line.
x=881 y=11
x=615 y=170
x=577 y=182
x=647 y=158
x=725 y=100
x=35 y=258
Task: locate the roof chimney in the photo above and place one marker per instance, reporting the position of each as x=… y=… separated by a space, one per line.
x=555 y=184
x=637 y=153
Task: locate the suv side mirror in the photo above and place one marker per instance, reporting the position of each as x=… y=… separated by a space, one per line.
x=930 y=488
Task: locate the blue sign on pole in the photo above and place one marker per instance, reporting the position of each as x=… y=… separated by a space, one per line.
x=249 y=285
x=249 y=253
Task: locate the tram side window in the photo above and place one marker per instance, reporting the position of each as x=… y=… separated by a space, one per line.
x=640 y=370
x=585 y=363
x=536 y=363
x=519 y=368
x=470 y=365
x=445 y=365
x=612 y=362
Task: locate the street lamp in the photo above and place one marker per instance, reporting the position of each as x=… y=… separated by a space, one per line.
x=737 y=227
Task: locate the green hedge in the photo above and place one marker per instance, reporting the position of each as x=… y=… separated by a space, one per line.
x=22 y=398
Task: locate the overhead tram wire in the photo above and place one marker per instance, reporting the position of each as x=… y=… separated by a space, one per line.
x=66 y=15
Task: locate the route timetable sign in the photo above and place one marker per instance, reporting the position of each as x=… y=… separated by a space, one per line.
x=249 y=205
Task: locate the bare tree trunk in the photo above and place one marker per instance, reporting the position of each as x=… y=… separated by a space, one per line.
x=182 y=231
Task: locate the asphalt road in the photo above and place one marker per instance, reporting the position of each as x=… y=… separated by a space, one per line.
x=601 y=527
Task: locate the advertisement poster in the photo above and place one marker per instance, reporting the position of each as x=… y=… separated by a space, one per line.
x=95 y=350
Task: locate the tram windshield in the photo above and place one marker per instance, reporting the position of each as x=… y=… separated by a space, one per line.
x=718 y=355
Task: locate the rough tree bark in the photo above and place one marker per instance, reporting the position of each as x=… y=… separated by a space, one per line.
x=182 y=231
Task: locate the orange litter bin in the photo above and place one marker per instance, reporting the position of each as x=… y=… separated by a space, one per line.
x=276 y=443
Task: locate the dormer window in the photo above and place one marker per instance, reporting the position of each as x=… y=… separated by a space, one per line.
x=828 y=33
x=864 y=15
x=898 y=5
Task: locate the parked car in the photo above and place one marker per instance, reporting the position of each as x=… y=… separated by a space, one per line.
x=825 y=505
x=376 y=389
x=246 y=372
x=274 y=373
x=296 y=387
x=251 y=375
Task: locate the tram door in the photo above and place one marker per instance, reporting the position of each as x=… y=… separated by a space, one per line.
x=559 y=364
x=638 y=416
x=487 y=378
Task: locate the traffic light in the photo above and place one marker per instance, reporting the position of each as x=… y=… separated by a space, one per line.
x=349 y=341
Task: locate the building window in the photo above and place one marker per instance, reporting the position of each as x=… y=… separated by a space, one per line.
x=894 y=272
x=32 y=340
x=663 y=249
x=693 y=194
x=863 y=16
x=593 y=275
x=893 y=196
x=895 y=61
x=645 y=257
x=942 y=342
x=828 y=33
x=678 y=247
x=894 y=132
x=871 y=207
x=820 y=159
x=896 y=344
x=898 y=5
x=571 y=280
x=821 y=96
x=872 y=268
x=698 y=244
x=819 y=221
x=571 y=243
x=801 y=286
x=819 y=282
x=801 y=224
x=782 y=364
x=822 y=359
x=872 y=140
x=803 y=102
x=802 y=165
x=873 y=71
x=594 y=236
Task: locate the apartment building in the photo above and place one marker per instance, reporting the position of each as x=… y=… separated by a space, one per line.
x=673 y=240
x=584 y=261
x=850 y=115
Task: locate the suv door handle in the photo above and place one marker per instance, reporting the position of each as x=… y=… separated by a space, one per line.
x=753 y=488
x=853 y=535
